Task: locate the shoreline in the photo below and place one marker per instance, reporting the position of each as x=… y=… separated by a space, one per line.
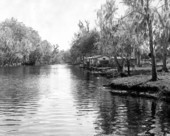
x=141 y=86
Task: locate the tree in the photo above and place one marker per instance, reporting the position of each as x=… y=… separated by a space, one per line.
x=84 y=42
x=22 y=44
x=6 y=44
x=163 y=33
x=88 y=42
x=110 y=36
x=67 y=56
x=146 y=13
x=55 y=54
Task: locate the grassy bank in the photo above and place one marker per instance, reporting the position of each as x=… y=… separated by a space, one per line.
x=140 y=85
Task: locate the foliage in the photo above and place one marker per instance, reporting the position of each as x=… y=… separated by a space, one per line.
x=119 y=33
x=84 y=43
x=22 y=44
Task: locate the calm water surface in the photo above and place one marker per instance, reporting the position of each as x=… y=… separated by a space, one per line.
x=62 y=100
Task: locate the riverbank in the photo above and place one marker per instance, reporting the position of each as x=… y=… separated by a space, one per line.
x=141 y=85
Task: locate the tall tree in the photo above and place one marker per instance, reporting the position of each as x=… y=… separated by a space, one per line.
x=164 y=26
x=84 y=42
x=143 y=8
x=111 y=37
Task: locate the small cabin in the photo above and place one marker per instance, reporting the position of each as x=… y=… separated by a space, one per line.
x=98 y=60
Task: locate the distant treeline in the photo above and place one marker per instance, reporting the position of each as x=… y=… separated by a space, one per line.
x=20 y=44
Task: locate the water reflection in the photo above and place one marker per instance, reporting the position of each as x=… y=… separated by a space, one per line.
x=65 y=100
x=119 y=115
x=17 y=96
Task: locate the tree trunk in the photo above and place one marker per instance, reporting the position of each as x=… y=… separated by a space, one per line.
x=164 y=67
x=119 y=67
x=166 y=5
x=138 y=59
x=165 y=42
x=154 y=71
x=128 y=66
x=149 y=22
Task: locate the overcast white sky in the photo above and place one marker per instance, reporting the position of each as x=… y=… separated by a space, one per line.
x=55 y=20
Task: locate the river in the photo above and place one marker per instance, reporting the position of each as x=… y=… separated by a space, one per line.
x=63 y=100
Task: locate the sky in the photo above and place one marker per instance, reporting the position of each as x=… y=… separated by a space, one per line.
x=55 y=20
